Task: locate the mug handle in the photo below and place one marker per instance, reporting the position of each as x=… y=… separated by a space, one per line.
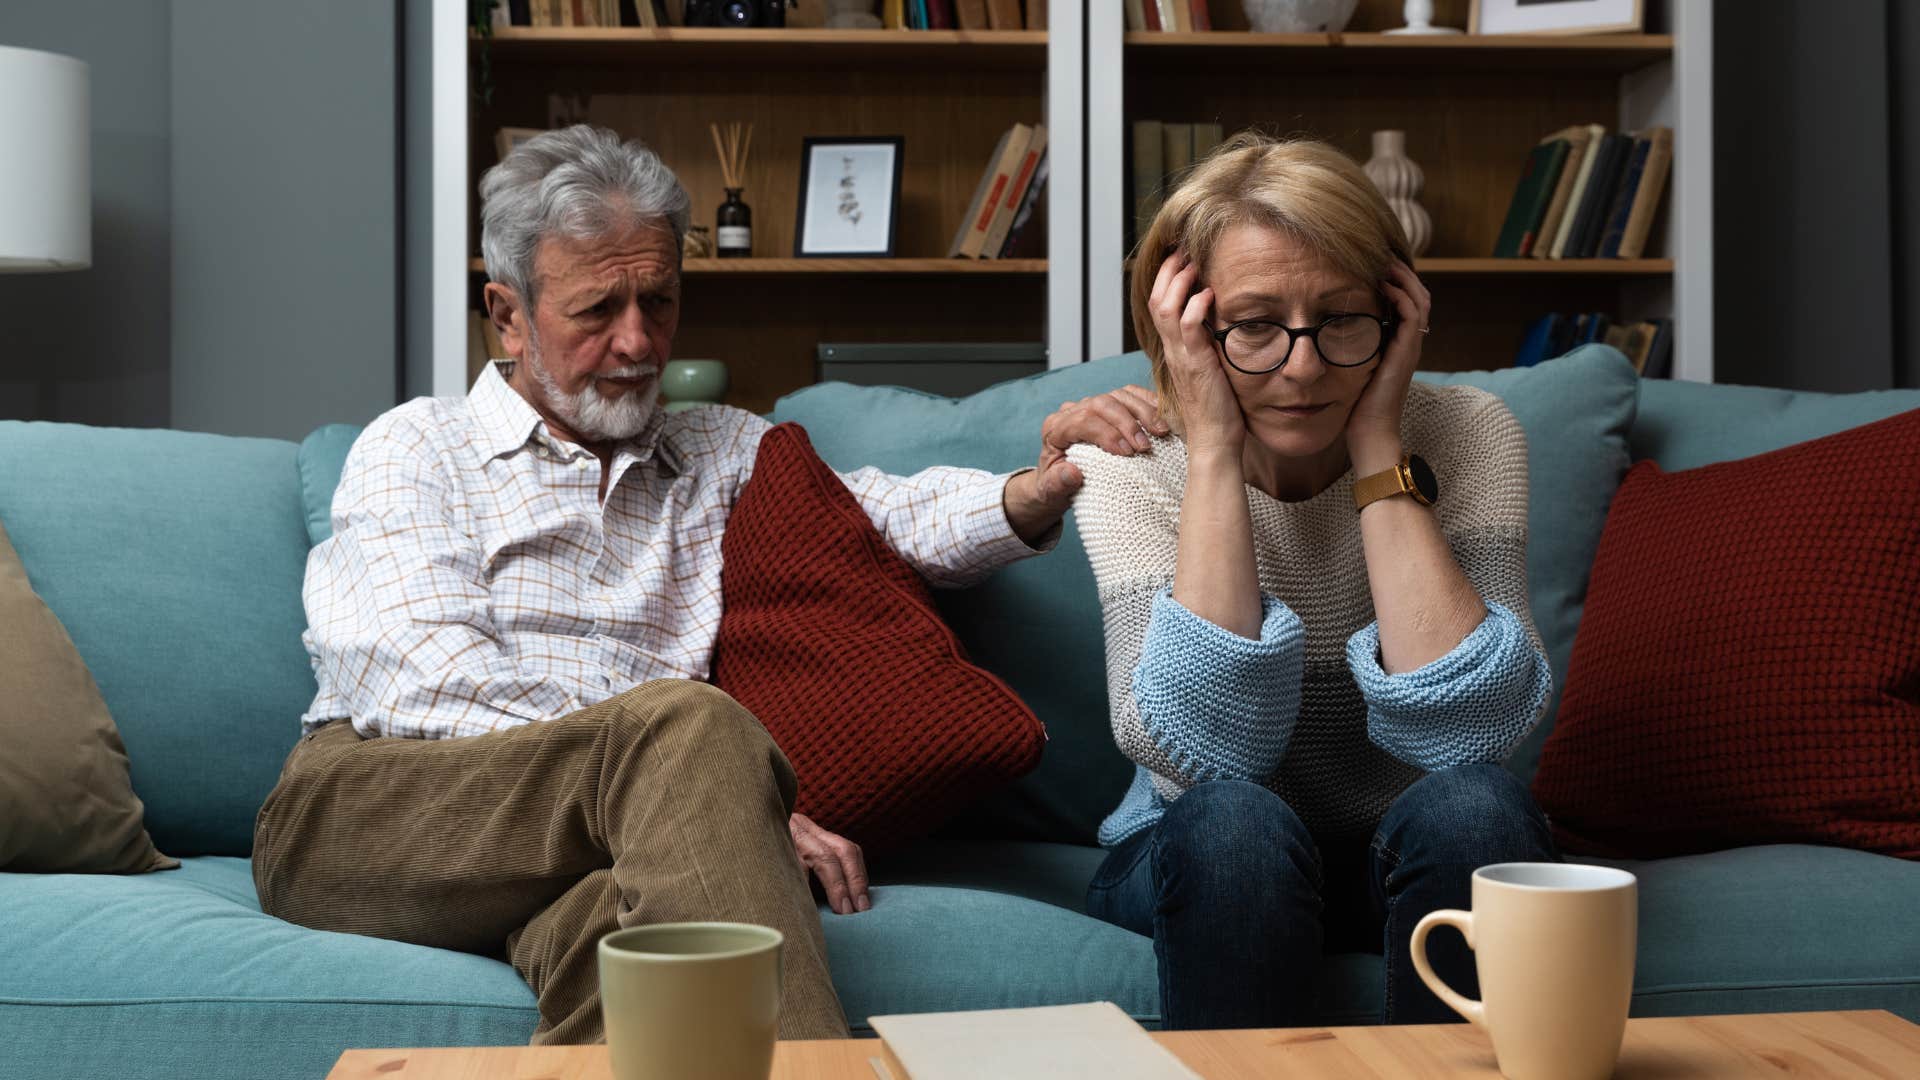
x=1462 y=921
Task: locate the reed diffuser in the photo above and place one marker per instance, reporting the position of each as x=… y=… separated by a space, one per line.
x=733 y=222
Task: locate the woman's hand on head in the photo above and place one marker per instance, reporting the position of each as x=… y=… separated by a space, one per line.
x=1209 y=410
x=1373 y=429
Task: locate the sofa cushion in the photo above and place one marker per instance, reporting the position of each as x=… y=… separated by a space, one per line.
x=103 y=971
x=1683 y=425
x=832 y=640
x=1779 y=928
x=66 y=803
x=1576 y=411
x=174 y=560
x=322 y=456
x=1748 y=670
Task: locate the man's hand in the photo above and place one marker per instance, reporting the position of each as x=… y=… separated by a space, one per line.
x=1118 y=422
x=836 y=861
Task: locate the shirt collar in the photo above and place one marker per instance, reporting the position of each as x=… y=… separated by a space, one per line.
x=504 y=422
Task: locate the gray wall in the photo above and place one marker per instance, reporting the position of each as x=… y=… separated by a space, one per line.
x=91 y=346
x=286 y=215
x=1807 y=260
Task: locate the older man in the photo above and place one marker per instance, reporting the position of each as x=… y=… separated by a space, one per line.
x=512 y=751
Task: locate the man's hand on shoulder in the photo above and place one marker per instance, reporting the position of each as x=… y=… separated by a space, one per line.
x=836 y=861
x=1119 y=422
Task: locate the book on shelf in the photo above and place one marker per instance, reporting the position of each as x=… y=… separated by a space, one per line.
x=971 y=14
x=1660 y=353
x=1004 y=15
x=1577 y=137
x=1182 y=16
x=1614 y=151
x=1578 y=193
x=1009 y=204
x=1615 y=221
x=1036 y=14
x=1530 y=198
x=940 y=14
x=1028 y=205
x=1149 y=172
x=1163 y=153
x=1202 y=18
x=970 y=239
x=893 y=14
x=1176 y=150
x=1646 y=200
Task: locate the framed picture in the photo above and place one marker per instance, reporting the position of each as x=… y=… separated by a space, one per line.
x=1556 y=17
x=849 y=196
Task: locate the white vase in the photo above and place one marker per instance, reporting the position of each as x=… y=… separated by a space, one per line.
x=1298 y=16
x=1400 y=180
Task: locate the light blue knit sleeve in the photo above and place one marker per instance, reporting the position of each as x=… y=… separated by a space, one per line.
x=1472 y=705
x=1220 y=706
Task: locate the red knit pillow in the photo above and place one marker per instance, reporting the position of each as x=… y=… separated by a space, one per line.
x=832 y=640
x=1748 y=667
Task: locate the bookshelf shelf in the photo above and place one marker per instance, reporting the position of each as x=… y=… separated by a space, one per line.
x=1431 y=267
x=926 y=267
x=803 y=48
x=1613 y=54
x=1547 y=267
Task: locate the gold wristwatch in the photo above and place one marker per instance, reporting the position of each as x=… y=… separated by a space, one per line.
x=1411 y=477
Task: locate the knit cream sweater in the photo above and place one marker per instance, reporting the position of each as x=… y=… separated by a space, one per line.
x=1307 y=710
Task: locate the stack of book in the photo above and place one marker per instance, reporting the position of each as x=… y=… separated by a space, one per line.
x=1162 y=154
x=1004 y=199
x=1170 y=16
x=1586 y=194
x=963 y=14
x=1648 y=344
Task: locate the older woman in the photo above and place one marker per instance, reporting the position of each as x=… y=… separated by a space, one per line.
x=1318 y=640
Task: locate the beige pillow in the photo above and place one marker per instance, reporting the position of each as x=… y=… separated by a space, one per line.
x=66 y=802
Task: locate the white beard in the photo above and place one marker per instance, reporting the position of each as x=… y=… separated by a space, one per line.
x=589 y=413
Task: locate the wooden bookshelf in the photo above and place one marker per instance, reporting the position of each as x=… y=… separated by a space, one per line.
x=1613 y=54
x=687 y=46
x=949 y=94
x=962 y=267
x=1471 y=106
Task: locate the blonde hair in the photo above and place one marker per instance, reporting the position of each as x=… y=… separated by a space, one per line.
x=1304 y=188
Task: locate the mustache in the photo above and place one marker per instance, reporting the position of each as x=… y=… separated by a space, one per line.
x=631 y=371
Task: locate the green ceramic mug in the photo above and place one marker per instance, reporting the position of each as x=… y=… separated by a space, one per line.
x=691 y=999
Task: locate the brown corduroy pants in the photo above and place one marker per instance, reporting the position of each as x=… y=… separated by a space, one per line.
x=667 y=803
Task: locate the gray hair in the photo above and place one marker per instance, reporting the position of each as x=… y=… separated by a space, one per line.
x=580 y=183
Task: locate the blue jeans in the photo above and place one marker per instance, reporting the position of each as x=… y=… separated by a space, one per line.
x=1241 y=901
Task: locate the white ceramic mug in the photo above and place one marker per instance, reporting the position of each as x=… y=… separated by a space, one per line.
x=691 y=999
x=1553 y=944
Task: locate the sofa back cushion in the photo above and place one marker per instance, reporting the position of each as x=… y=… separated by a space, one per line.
x=1576 y=411
x=1683 y=425
x=1038 y=624
x=174 y=560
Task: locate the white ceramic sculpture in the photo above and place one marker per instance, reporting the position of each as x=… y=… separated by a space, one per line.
x=1400 y=180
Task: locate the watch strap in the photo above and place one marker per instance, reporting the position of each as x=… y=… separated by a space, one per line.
x=1382 y=485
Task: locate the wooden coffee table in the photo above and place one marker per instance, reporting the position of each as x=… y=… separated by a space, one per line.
x=1836 y=1044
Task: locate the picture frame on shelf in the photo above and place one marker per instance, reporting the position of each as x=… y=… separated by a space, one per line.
x=849 y=196
x=1557 y=17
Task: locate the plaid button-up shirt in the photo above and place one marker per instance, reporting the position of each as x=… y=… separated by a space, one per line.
x=475 y=580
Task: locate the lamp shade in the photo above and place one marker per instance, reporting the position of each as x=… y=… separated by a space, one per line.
x=46 y=178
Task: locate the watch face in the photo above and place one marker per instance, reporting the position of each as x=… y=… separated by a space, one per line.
x=1423 y=479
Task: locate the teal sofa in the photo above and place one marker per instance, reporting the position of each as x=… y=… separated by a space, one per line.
x=175 y=561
